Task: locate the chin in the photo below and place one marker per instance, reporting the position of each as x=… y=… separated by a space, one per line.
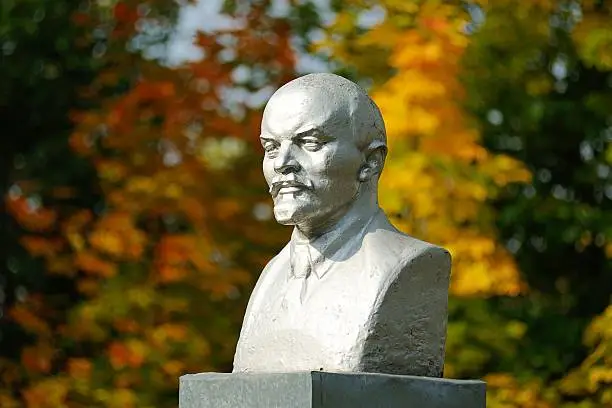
x=284 y=215
x=290 y=213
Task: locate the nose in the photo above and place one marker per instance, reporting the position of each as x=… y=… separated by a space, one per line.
x=285 y=161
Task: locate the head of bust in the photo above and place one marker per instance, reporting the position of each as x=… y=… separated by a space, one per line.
x=325 y=146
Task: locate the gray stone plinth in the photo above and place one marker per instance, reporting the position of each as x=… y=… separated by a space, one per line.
x=327 y=390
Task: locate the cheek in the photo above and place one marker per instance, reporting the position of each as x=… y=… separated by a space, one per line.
x=342 y=167
x=268 y=170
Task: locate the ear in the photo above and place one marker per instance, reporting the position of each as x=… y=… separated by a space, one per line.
x=375 y=160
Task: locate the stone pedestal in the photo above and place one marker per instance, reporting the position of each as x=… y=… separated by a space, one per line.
x=327 y=390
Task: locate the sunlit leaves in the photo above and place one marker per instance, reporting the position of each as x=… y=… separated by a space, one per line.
x=533 y=79
x=49 y=393
x=30 y=320
x=146 y=277
x=593 y=35
x=504 y=391
x=593 y=379
x=536 y=77
x=438 y=177
x=30 y=214
x=156 y=271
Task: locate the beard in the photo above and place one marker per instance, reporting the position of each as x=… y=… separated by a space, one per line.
x=295 y=208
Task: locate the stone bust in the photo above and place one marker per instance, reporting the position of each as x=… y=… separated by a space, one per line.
x=349 y=292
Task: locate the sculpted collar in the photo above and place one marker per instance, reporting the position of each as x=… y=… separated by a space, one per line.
x=318 y=255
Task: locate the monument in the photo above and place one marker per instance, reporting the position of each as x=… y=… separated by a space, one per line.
x=351 y=309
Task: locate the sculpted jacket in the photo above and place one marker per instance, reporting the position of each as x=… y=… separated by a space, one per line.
x=362 y=297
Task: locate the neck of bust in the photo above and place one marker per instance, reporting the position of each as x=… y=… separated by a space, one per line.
x=359 y=210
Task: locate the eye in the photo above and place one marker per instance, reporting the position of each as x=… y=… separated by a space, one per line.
x=270 y=148
x=311 y=143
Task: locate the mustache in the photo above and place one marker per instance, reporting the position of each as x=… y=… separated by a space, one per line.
x=277 y=185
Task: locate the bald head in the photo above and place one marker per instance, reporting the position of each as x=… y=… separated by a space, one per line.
x=330 y=97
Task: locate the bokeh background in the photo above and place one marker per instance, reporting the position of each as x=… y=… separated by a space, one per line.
x=136 y=220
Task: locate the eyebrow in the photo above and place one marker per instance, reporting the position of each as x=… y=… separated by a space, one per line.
x=266 y=139
x=312 y=132
x=309 y=132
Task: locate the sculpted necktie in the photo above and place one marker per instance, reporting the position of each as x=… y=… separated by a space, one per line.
x=301 y=266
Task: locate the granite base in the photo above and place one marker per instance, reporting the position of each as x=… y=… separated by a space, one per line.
x=320 y=389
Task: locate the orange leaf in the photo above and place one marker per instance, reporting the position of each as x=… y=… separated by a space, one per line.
x=79 y=368
x=30 y=216
x=130 y=354
x=39 y=246
x=28 y=320
x=90 y=263
x=37 y=359
x=168 y=274
x=49 y=393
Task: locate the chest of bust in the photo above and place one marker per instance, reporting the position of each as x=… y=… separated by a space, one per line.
x=309 y=323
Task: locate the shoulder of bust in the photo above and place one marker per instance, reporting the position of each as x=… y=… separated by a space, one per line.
x=411 y=310
x=425 y=252
x=385 y=241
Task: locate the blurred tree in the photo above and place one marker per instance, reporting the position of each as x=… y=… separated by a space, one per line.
x=438 y=177
x=143 y=240
x=535 y=87
x=154 y=273
x=538 y=80
x=42 y=67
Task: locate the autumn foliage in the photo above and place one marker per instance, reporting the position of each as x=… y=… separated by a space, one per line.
x=142 y=244
x=153 y=269
x=435 y=148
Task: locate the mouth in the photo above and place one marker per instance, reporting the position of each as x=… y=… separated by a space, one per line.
x=286 y=187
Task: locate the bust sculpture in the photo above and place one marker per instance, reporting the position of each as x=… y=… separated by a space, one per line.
x=349 y=292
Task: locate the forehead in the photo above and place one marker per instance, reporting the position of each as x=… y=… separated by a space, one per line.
x=292 y=111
